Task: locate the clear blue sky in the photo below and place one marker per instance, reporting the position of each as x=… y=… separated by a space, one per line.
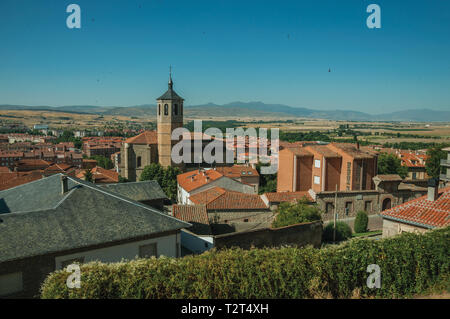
x=227 y=50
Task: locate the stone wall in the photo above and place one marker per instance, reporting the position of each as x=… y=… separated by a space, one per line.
x=370 y=201
x=297 y=235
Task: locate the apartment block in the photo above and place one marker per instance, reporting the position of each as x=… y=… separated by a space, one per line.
x=326 y=167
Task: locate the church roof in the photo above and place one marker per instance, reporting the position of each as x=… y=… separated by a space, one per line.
x=146 y=137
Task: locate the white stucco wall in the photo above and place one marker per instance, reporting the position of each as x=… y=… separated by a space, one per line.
x=195 y=243
x=166 y=246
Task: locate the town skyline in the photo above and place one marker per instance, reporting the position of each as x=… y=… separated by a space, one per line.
x=298 y=54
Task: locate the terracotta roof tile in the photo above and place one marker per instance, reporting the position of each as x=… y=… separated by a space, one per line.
x=237 y=171
x=279 y=197
x=146 y=137
x=423 y=212
x=191 y=213
x=218 y=198
x=195 y=179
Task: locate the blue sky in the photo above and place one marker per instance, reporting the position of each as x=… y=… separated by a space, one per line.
x=227 y=50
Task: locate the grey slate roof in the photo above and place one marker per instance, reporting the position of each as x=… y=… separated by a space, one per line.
x=36 y=219
x=170 y=94
x=138 y=191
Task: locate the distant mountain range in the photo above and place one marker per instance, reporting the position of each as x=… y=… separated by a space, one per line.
x=247 y=109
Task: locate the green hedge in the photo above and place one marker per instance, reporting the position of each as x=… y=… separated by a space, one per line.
x=343 y=232
x=361 y=222
x=410 y=264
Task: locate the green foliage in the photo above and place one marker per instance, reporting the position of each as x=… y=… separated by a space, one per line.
x=343 y=232
x=102 y=161
x=410 y=264
x=68 y=136
x=166 y=178
x=267 y=182
x=295 y=213
x=88 y=177
x=304 y=136
x=391 y=164
x=361 y=222
x=123 y=179
x=433 y=163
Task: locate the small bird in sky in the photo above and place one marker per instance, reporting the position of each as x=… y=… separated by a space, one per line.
x=329 y=69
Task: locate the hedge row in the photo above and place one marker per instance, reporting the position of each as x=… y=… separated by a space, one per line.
x=410 y=264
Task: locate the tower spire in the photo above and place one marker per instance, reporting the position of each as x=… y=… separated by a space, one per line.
x=170 y=77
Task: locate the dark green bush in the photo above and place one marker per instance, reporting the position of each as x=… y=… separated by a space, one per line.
x=343 y=232
x=361 y=222
x=410 y=264
x=296 y=213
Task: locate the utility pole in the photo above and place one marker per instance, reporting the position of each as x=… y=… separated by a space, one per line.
x=334 y=217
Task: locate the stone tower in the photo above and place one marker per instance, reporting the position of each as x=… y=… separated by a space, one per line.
x=169 y=115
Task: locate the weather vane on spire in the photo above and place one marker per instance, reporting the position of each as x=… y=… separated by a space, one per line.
x=170 y=76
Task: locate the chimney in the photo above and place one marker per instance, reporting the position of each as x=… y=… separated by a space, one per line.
x=64 y=184
x=433 y=189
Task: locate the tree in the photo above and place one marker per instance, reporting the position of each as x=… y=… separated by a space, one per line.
x=343 y=232
x=295 y=213
x=391 y=164
x=267 y=182
x=166 y=178
x=361 y=222
x=123 y=179
x=433 y=163
x=103 y=162
x=88 y=177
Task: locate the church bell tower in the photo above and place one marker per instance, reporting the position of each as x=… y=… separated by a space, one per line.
x=169 y=116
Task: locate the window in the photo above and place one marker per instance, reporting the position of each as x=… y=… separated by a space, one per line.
x=146 y=251
x=159 y=109
x=317 y=163
x=348 y=207
x=414 y=175
x=368 y=206
x=317 y=180
x=11 y=283
x=175 y=109
x=166 y=109
x=329 y=208
x=68 y=262
x=181 y=109
x=139 y=162
x=349 y=172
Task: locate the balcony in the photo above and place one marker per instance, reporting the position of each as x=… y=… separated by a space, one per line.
x=445 y=162
x=444 y=177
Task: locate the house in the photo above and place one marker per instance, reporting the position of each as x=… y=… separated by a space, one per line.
x=199 y=237
x=146 y=192
x=231 y=211
x=419 y=215
x=242 y=173
x=326 y=167
x=52 y=222
x=199 y=180
x=446 y=164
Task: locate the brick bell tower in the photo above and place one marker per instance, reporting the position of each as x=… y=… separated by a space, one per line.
x=169 y=116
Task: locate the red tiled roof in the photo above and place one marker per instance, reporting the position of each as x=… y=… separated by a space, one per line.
x=146 y=137
x=100 y=175
x=195 y=179
x=13 y=179
x=423 y=212
x=191 y=213
x=413 y=160
x=218 y=198
x=237 y=171
x=280 y=197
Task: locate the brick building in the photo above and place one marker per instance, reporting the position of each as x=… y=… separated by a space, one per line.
x=325 y=167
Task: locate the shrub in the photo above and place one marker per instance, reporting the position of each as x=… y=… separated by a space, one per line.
x=361 y=222
x=295 y=213
x=410 y=264
x=343 y=232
